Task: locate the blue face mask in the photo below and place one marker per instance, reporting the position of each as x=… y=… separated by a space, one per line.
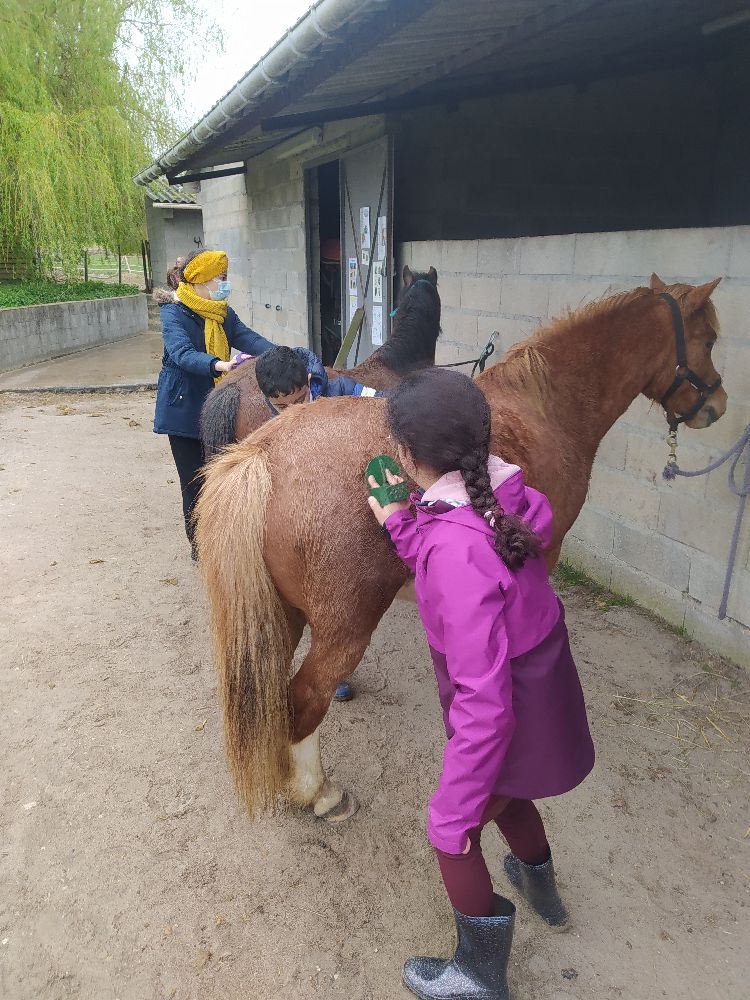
x=222 y=292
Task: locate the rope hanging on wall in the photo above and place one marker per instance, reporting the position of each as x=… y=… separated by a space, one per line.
x=736 y=452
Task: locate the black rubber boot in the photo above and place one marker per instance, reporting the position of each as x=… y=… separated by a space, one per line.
x=536 y=883
x=478 y=970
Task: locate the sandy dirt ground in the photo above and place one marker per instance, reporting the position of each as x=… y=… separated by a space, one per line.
x=127 y=869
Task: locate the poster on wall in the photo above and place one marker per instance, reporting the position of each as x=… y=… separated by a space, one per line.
x=353 y=276
x=352 y=307
x=377 y=325
x=381 y=239
x=365 y=240
x=377 y=281
x=365 y=258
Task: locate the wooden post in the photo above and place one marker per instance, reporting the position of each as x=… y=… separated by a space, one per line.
x=119 y=266
x=85 y=265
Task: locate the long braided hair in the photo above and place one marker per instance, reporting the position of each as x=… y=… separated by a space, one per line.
x=444 y=421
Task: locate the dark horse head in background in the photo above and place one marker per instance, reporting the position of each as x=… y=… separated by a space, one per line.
x=416 y=323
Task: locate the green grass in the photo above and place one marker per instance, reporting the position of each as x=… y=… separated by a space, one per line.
x=566 y=575
x=35 y=293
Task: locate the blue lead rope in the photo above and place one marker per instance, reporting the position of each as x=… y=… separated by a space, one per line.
x=736 y=452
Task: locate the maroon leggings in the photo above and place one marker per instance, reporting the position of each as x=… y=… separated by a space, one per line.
x=465 y=876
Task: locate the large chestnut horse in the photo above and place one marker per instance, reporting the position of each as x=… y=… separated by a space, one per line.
x=286 y=535
x=236 y=407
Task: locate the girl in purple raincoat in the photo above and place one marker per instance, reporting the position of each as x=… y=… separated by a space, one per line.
x=512 y=701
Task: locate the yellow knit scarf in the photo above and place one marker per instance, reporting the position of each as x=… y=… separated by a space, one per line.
x=214 y=314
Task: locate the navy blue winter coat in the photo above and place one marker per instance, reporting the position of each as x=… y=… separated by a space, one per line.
x=186 y=375
x=321 y=386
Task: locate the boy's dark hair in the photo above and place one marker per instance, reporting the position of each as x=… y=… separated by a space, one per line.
x=443 y=419
x=279 y=371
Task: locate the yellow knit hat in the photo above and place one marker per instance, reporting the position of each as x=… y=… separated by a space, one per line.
x=207 y=265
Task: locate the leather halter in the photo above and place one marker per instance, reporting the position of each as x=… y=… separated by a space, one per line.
x=683 y=373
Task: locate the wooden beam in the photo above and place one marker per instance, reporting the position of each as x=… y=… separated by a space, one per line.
x=205 y=175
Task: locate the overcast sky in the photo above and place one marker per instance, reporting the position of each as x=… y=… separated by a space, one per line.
x=250 y=29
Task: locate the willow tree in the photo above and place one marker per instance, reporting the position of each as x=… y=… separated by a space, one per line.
x=89 y=89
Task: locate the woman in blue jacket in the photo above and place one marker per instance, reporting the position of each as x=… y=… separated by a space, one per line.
x=199 y=330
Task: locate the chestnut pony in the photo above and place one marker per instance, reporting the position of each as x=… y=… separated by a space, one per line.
x=236 y=407
x=298 y=542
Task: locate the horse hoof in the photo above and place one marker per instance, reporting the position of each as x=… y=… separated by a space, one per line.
x=342 y=812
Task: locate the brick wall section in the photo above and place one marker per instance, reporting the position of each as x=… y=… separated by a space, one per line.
x=666 y=545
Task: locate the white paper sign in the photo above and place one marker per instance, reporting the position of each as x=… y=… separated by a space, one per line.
x=381 y=244
x=377 y=280
x=352 y=275
x=364 y=228
x=352 y=307
x=365 y=258
x=377 y=325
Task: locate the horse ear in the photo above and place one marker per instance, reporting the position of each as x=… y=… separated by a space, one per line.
x=432 y=275
x=408 y=276
x=657 y=285
x=699 y=296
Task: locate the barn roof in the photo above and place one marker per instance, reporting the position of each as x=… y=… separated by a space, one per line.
x=347 y=58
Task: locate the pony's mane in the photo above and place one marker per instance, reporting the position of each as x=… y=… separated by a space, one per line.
x=525 y=368
x=416 y=328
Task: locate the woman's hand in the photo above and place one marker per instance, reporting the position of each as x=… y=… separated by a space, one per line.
x=383 y=513
x=239 y=359
x=223 y=366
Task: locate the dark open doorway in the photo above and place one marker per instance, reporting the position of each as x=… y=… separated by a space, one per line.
x=324 y=234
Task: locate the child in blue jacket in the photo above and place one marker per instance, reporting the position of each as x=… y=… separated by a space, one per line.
x=290 y=375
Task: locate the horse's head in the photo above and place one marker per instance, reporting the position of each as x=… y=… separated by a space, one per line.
x=411 y=278
x=688 y=386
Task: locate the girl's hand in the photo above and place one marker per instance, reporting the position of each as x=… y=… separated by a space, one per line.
x=383 y=513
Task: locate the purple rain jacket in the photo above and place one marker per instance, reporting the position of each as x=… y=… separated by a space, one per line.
x=512 y=701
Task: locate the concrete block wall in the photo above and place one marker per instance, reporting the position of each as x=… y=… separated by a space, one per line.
x=30 y=334
x=172 y=233
x=226 y=226
x=666 y=545
x=259 y=219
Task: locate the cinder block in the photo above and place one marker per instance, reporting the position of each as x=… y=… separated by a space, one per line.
x=595 y=528
x=659 y=558
x=571 y=294
x=460 y=256
x=547 y=255
x=725 y=637
x=613 y=447
x=424 y=255
x=645 y=457
x=695 y=523
x=498 y=257
x=512 y=330
x=524 y=296
x=656 y=596
x=449 y=287
x=482 y=293
x=624 y=496
x=614 y=254
x=598 y=565
x=461 y=328
x=739 y=254
x=692 y=255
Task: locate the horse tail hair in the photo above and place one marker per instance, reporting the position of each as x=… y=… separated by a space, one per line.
x=250 y=628
x=219 y=418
